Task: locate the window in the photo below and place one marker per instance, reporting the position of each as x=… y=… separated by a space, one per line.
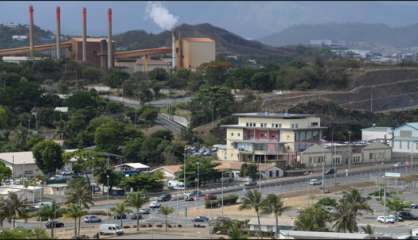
x=232 y=134
x=263 y=124
x=405 y=133
x=407 y=146
x=238 y=134
x=400 y=144
x=314 y=124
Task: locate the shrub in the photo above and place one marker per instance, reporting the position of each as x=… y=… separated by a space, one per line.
x=230 y=199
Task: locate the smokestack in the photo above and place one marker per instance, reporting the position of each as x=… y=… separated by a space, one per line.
x=173 y=50
x=109 y=40
x=84 y=44
x=58 y=33
x=31 y=31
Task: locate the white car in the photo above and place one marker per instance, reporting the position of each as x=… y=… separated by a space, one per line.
x=314 y=182
x=387 y=219
x=110 y=229
x=154 y=204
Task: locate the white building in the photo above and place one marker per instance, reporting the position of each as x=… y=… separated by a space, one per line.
x=128 y=168
x=377 y=134
x=29 y=193
x=22 y=164
x=289 y=234
x=405 y=138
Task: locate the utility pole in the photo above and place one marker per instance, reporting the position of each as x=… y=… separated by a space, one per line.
x=184 y=180
x=384 y=198
x=349 y=151
x=222 y=192
x=323 y=174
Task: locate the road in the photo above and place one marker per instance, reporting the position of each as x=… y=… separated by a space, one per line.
x=157 y=103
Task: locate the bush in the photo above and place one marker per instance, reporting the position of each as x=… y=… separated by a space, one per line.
x=228 y=200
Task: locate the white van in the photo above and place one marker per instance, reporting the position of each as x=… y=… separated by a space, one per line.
x=176 y=185
x=110 y=229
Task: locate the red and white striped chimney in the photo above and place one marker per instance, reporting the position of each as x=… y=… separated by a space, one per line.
x=58 y=33
x=31 y=31
x=109 y=40
x=84 y=44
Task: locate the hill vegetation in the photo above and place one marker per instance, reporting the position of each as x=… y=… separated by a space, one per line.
x=7 y=33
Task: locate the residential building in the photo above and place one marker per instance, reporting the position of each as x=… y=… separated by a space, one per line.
x=340 y=154
x=291 y=234
x=377 y=134
x=169 y=171
x=266 y=137
x=405 y=138
x=22 y=164
x=30 y=193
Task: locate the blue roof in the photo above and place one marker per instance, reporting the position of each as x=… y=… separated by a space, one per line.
x=412 y=124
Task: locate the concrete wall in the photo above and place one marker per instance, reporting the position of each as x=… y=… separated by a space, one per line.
x=196 y=53
x=405 y=139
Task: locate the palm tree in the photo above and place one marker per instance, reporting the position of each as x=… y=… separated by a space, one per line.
x=15 y=206
x=79 y=192
x=367 y=229
x=136 y=200
x=4 y=211
x=75 y=211
x=51 y=212
x=313 y=218
x=252 y=200
x=347 y=210
x=119 y=210
x=235 y=231
x=273 y=204
x=166 y=211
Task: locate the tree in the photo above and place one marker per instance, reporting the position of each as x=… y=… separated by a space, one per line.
x=210 y=103
x=51 y=212
x=119 y=210
x=396 y=204
x=249 y=170
x=235 y=232
x=273 y=204
x=215 y=72
x=326 y=202
x=108 y=137
x=262 y=81
x=348 y=208
x=367 y=229
x=115 y=77
x=159 y=74
x=136 y=200
x=132 y=149
x=253 y=200
x=15 y=206
x=4 y=117
x=207 y=171
x=145 y=181
x=48 y=156
x=312 y=219
x=79 y=192
x=165 y=210
x=5 y=172
x=83 y=99
x=75 y=211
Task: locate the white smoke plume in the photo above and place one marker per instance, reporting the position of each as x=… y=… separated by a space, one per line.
x=160 y=15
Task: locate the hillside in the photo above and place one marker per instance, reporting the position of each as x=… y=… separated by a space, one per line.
x=373 y=34
x=7 y=32
x=227 y=43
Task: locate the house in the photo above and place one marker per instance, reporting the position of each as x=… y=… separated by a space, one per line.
x=266 y=137
x=169 y=171
x=270 y=171
x=340 y=154
x=377 y=134
x=30 y=193
x=405 y=138
x=131 y=168
x=22 y=164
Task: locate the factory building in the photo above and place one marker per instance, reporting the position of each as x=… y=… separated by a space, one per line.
x=193 y=52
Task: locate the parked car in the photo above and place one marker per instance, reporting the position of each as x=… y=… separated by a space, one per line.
x=250 y=184
x=91 y=219
x=331 y=171
x=314 y=182
x=118 y=217
x=188 y=198
x=54 y=224
x=164 y=198
x=200 y=219
x=110 y=229
x=136 y=216
x=406 y=215
x=396 y=217
x=413 y=205
x=144 y=211
x=42 y=204
x=194 y=194
x=154 y=204
x=386 y=219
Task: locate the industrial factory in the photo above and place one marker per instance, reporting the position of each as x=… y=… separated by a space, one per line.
x=188 y=53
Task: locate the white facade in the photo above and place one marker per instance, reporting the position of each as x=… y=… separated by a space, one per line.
x=405 y=138
x=379 y=134
x=22 y=164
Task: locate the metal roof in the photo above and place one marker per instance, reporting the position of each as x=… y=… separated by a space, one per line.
x=273 y=115
x=377 y=129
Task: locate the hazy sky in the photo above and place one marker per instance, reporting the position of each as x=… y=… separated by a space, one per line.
x=249 y=19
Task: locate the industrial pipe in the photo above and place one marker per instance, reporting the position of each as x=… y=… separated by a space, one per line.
x=84 y=44
x=58 y=33
x=109 y=40
x=173 y=50
x=31 y=31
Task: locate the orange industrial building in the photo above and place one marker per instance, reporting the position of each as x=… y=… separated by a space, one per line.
x=186 y=53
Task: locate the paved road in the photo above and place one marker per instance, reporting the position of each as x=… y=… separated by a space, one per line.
x=157 y=103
